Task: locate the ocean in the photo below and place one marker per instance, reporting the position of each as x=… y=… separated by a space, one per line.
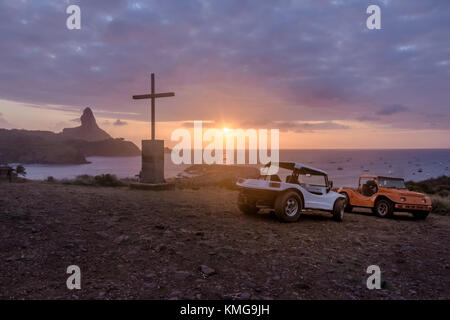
x=343 y=166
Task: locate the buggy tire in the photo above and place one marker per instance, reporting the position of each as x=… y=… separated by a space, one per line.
x=384 y=208
x=288 y=206
x=420 y=215
x=338 y=210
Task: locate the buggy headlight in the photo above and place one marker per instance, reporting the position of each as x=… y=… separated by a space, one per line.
x=403 y=199
x=424 y=201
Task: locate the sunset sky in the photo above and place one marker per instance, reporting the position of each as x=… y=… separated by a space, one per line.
x=309 y=68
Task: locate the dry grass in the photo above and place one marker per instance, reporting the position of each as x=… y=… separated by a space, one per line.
x=441 y=205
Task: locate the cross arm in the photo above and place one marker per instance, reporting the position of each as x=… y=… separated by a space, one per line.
x=155 y=95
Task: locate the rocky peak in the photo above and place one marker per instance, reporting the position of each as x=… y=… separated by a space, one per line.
x=88 y=119
x=88 y=131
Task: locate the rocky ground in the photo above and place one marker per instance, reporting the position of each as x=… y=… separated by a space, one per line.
x=195 y=244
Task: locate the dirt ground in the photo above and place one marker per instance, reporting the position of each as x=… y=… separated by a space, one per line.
x=152 y=245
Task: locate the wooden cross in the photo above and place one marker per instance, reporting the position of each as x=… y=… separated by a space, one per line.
x=153 y=96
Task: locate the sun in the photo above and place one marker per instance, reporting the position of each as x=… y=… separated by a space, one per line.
x=226 y=130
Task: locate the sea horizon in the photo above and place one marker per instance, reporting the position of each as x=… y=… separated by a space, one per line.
x=342 y=165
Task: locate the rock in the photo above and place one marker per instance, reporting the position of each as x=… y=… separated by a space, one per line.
x=160 y=248
x=181 y=275
x=245 y=295
x=249 y=284
x=120 y=239
x=175 y=294
x=101 y=234
x=149 y=276
x=208 y=271
x=88 y=131
x=302 y=285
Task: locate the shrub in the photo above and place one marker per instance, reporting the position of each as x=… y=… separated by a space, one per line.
x=83 y=180
x=441 y=205
x=107 y=180
x=20 y=170
x=440 y=185
x=104 y=180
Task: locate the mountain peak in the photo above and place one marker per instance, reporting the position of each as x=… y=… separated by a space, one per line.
x=88 y=131
x=87 y=118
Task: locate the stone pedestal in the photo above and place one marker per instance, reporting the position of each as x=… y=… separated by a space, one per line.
x=152 y=161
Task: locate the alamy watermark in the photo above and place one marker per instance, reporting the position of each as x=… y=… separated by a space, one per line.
x=374 y=280
x=73 y=22
x=254 y=141
x=74 y=280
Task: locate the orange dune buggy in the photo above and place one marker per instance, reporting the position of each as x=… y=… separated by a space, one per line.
x=384 y=195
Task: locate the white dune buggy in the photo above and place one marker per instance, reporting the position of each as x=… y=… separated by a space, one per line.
x=295 y=188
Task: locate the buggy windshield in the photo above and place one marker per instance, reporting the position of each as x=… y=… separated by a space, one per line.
x=391 y=183
x=312 y=179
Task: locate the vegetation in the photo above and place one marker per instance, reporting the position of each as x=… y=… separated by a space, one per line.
x=439 y=191
x=441 y=205
x=107 y=180
x=103 y=180
x=20 y=170
x=440 y=186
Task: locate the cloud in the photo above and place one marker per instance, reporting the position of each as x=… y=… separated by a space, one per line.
x=5 y=124
x=367 y=118
x=391 y=109
x=309 y=126
x=296 y=126
x=322 y=64
x=119 y=122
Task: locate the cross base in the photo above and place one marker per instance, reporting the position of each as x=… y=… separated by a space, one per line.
x=152 y=161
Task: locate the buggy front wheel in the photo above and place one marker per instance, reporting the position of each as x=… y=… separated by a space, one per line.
x=338 y=209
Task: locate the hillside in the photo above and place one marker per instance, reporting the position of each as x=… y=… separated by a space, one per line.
x=71 y=146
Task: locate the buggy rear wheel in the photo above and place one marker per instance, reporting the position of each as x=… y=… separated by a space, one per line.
x=288 y=206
